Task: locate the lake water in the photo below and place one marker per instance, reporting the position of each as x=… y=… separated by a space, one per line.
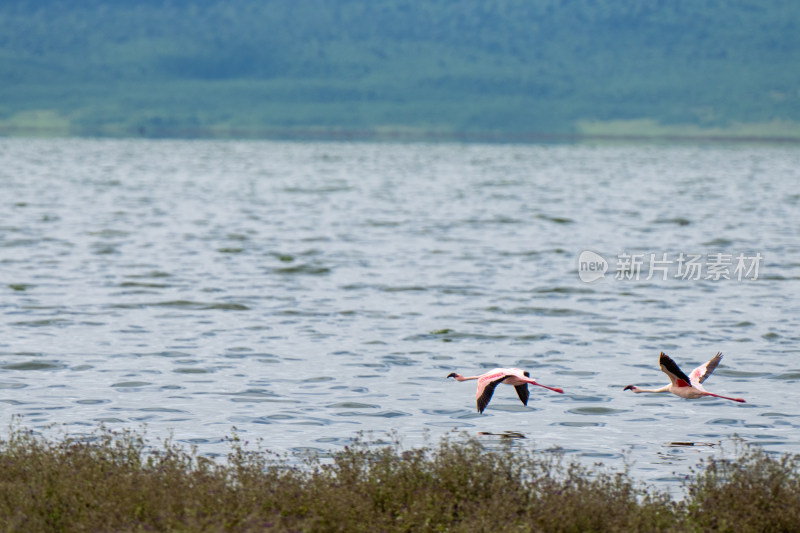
x=305 y=292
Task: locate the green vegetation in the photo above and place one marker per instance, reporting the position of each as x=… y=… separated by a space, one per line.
x=113 y=482
x=400 y=68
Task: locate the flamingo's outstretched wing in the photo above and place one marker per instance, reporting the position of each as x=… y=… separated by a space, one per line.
x=676 y=375
x=485 y=394
x=701 y=373
x=522 y=392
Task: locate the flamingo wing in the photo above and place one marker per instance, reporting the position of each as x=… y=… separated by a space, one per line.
x=486 y=394
x=701 y=373
x=522 y=392
x=676 y=375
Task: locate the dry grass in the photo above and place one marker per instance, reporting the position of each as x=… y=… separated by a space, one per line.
x=754 y=492
x=114 y=483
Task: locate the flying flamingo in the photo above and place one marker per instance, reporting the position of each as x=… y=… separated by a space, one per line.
x=686 y=387
x=510 y=376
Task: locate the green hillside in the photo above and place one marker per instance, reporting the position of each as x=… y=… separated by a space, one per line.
x=505 y=68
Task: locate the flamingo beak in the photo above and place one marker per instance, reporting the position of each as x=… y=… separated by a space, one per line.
x=629 y=387
x=451 y=375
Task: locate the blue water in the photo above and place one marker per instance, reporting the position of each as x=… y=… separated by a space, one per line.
x=305 y=292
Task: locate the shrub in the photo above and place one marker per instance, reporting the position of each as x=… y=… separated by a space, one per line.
x=113 y=481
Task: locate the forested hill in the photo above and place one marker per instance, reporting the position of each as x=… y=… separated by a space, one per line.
x=449 y=67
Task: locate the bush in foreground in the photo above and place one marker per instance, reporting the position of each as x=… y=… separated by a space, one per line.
x=113 y=483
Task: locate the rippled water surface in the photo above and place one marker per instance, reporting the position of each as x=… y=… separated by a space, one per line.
x=304 y=292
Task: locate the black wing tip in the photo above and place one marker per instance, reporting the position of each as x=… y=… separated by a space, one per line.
x=667 y=362
x=488 y=392
x=665 y=359
x=482 y=403
x=523 y=393
x=526 y=374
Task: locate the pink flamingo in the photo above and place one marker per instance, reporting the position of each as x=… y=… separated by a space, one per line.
x=510 y=376
x=686 y=387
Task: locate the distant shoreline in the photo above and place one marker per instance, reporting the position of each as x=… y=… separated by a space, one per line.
x=332 y=134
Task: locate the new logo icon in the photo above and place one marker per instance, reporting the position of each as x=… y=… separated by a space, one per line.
x=591 y=266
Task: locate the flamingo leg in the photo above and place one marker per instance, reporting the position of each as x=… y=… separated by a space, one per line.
x=740 y=400
x=554 y=389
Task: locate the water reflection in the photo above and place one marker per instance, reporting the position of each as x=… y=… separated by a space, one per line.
x=505 y=435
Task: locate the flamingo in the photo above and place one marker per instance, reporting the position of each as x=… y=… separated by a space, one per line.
x=510 y=376
x=686 y=387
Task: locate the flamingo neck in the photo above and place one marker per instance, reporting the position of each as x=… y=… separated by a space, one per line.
x=665 y=388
